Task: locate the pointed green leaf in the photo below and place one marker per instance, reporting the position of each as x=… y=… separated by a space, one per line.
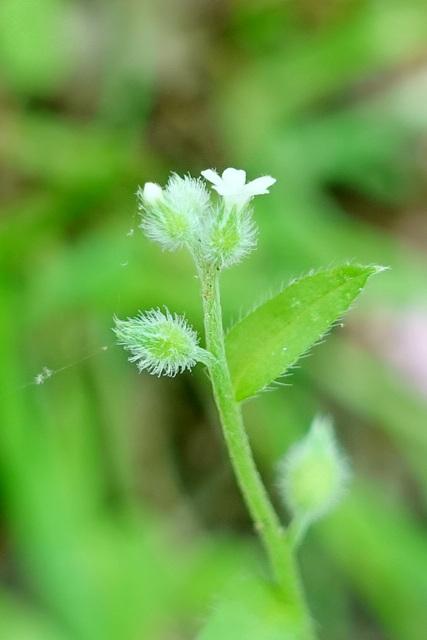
x=270 y=339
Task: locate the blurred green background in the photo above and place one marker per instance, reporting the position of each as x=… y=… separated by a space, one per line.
x=120 y=518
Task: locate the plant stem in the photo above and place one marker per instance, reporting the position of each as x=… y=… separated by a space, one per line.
x=265 y=519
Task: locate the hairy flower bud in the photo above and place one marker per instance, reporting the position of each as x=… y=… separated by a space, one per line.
x=161 y=343
x=188 y=196
x=172 y=216
x=230 y=236
x=314 y=474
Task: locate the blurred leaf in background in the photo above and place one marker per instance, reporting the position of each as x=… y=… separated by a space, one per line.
x=119 y=514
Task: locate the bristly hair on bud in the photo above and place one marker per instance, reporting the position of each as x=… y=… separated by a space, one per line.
x=314 y=474
x=230 y=235
x=161 y=343
x=188 y=195
x=172 y=216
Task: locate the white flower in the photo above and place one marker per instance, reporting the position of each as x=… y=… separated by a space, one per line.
x=232 y=185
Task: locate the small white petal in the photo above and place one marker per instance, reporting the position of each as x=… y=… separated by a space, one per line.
x=152 y=193
x=225 y=189
x=259 y=186
x=212 y=176
x=234 y=178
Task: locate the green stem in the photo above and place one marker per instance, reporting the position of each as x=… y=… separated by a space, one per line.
x=265 y=519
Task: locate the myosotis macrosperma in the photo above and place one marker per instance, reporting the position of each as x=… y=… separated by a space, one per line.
x=257 y=350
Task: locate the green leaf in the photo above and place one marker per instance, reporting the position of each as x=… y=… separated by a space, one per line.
x=253 y=610
x=270 y=339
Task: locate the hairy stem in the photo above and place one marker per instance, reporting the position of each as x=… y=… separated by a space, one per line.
x=265 y=519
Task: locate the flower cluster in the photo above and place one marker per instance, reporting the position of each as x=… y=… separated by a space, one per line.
x=219 y=234
x=182 y=214
x=313 y=475
x=161 y=343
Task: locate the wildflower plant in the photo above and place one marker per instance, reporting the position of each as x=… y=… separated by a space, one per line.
x=218 y=233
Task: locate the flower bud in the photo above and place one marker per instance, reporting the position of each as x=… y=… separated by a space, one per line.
x=172 y=216
x=151 y=194
x=230 y=236
x=161 y=343
x=187 y=196
x=314 y=474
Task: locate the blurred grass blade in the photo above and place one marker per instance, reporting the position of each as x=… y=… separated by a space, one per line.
x=381 y=548
x=365 y=385
x=271 y=338
x=252 y=610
